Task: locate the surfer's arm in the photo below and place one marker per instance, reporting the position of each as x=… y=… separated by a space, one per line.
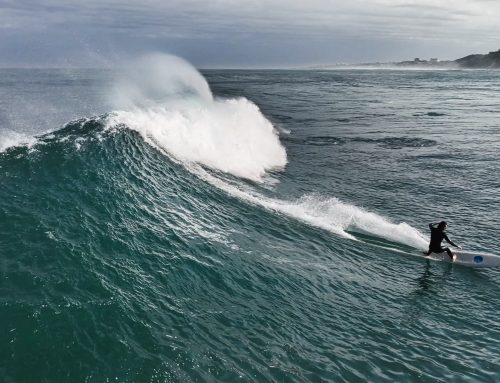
x=449 y=241
x=432 y=225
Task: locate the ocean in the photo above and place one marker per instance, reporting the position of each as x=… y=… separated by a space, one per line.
x=162 y=224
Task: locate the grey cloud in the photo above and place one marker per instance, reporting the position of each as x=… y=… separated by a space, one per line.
x=210 y=31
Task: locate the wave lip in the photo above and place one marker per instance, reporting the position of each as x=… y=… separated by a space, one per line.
x=231 y=135
x=170 y=104
x=330 y=212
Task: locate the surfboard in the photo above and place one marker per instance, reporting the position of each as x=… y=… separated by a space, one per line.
x=463 y=257
x=467 y=258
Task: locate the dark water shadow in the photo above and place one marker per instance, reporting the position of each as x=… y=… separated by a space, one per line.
x=428 y=282
x=427 y=286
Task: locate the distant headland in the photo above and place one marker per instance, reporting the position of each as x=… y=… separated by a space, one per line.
x=474 y=61
x=491 y=60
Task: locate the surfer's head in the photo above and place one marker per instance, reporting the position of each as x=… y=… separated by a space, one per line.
x=442 y=225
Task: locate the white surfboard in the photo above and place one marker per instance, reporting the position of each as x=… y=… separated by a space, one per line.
x=467 y=258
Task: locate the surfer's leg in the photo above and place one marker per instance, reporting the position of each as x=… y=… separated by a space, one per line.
x=433 y=250
x=450 y=254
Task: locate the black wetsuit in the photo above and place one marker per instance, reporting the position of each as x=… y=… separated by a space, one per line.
x=437 y=237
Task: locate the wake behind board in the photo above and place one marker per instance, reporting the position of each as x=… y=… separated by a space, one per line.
x=467 y=258
x=464 y=258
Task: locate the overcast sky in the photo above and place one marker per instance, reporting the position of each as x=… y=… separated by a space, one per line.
x=239 y=33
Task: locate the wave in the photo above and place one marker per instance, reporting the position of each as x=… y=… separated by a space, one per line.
x=325 y=212
x=184 y=121
x=170 y=104
x=233 y=136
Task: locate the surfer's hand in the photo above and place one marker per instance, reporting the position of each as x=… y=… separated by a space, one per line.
x=460 y=247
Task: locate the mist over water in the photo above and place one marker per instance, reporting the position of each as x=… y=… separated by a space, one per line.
x=11 y=138
x=247 y=225
x=157 y=79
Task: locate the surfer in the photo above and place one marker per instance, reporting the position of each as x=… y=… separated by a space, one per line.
x=437 y=236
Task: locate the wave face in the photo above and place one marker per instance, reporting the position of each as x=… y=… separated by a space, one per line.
x=106 y=234
x=175 y=239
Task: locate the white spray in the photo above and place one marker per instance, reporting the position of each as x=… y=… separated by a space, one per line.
x=10 y=138
x=328 y=213
x=170 y=104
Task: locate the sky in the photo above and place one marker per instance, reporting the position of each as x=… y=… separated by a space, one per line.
x=244 y=34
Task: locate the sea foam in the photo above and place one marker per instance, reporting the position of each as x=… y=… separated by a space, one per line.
x=10 y=138
x=328 y=213
x=179 y=114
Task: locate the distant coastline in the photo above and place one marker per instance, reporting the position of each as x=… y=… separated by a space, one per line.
x=473 y=61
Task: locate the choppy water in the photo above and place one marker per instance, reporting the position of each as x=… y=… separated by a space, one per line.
x=192 y=238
